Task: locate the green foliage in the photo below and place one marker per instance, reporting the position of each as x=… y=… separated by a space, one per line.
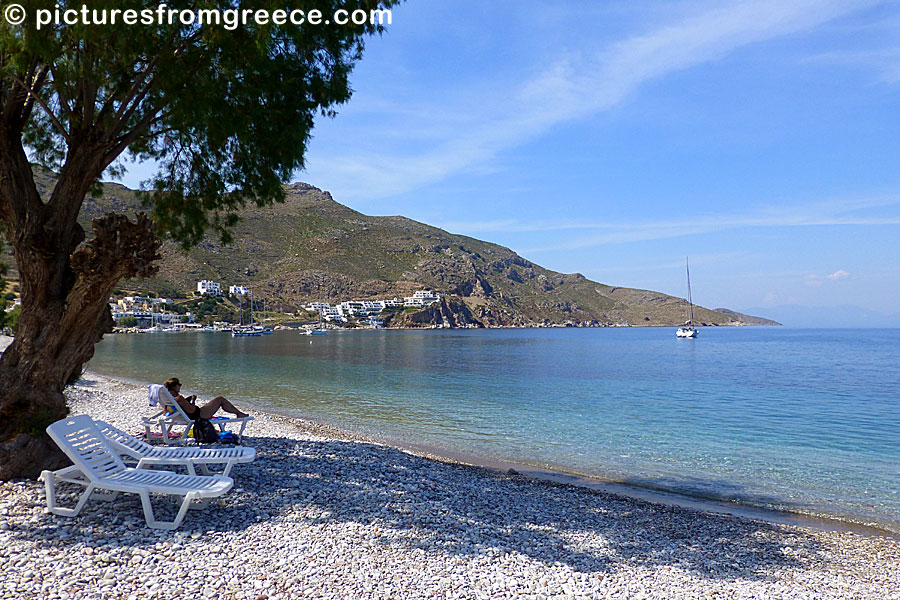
x=11 y=318
x=225 y=114
x=127 y=322
x=207 y=309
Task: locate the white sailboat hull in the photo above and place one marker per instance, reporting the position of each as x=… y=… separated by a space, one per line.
x=688 y=330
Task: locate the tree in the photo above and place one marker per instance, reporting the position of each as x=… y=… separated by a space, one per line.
x=226 y=115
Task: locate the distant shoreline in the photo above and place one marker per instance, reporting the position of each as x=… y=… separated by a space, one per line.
x=555 y=326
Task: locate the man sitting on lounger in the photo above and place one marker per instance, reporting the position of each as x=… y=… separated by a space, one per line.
x=189 y=404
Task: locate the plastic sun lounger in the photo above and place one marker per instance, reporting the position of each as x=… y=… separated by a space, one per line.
x=172 y=417
x=98 y=467
x=190 y=458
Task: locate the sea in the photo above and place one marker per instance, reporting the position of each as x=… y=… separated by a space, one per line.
x=804 y=421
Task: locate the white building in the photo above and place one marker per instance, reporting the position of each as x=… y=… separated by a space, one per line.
x=352 y=308
x=209 y=287
x=238 y=290
x=421 y=298
x=318 y=306
x=373 y=307
x=334 y=313
x=145 y=317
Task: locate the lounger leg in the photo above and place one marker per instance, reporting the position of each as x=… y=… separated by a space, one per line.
x=182 y=440
x=240 y=435
x=164 y=427
x=50 y=487
x=171 y=525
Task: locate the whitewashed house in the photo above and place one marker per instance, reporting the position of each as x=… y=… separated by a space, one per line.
x=421 y=298
x=210 y=288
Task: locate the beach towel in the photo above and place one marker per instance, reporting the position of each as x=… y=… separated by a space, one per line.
x=153 y=392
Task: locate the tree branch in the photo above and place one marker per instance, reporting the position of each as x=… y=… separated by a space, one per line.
x=39 y=80
x=122 y=142
x=59 y=127
x=64 y=100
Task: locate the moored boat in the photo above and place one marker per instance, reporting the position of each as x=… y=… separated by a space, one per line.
x=688 y=330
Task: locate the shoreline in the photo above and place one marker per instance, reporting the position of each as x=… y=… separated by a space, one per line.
x=610 y=486
x=318 y=516
x=536 y=473
x=560 y=476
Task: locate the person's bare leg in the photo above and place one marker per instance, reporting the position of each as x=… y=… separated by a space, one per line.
x=210 y=408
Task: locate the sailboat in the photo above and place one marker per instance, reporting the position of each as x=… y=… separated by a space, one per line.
x=688 y=330
x=245 y=330
x=318 y=330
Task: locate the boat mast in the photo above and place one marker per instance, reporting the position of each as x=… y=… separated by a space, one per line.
x=687 y=267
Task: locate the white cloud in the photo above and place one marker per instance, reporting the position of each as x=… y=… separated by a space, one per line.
x=829 y=213
x=813 y=280
x=577 y=85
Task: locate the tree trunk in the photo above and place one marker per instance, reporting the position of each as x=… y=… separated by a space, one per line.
x=64 y=313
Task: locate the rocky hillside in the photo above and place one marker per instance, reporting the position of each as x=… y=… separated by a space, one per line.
x=747 y=319
x=313 y=248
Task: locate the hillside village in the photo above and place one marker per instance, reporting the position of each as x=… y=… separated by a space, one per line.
x=151 y=314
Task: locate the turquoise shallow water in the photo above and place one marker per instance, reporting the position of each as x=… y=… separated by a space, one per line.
x=798 y=420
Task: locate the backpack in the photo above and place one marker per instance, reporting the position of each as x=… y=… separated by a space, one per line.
x=205 y=432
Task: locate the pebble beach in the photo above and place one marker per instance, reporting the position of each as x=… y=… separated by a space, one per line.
x=320 y=514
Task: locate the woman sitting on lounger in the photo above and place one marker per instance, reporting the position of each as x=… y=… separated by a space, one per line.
x=189 y=404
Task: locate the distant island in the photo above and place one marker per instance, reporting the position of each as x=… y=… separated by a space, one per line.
x=311 y=248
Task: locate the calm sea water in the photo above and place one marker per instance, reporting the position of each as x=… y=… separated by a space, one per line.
x=800 y=420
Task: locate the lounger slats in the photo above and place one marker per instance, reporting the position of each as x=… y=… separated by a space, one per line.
x=98 y=467
x=165 y=482
x=189 y=457
x=92 y=450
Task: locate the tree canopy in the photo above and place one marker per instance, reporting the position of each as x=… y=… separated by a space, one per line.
x=224 y=112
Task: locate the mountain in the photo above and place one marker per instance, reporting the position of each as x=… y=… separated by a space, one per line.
x=746 y=319
x=313 y=248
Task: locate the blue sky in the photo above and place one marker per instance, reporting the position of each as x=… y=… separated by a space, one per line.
x=616 y=138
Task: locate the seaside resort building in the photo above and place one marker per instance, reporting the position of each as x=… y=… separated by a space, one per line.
x=368 y=310
x=209 y=287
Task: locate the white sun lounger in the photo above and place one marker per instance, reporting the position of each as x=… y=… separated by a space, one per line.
x=190 y=457
x=98 y=467
x=171 y=417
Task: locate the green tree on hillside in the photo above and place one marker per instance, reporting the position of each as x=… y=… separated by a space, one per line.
x=226 y=116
